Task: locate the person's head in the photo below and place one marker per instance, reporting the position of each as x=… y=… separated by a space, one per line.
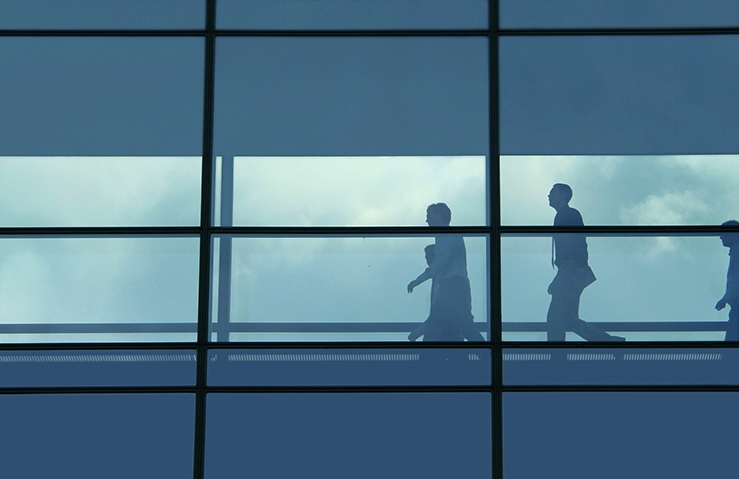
x=560 y=195
x=729 y=239
x=438 y=214
x=430 y=253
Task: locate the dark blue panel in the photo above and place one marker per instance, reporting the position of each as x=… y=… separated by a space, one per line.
x=621 y=366
x=628 y=95
x=113 y=96
x=352 y=14
x=383 y=96
x=101 y=14
x=439 y=435
x=97 y=368
x=617 y=435
x=618 y=13
x=89 y=437
x=344 y=367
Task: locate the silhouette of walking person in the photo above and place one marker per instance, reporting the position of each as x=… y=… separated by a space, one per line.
x=467 y=328
x=451 y=311
x=570 y=255
x=731 y=297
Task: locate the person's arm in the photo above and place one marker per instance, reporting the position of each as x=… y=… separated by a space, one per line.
x=444 y=251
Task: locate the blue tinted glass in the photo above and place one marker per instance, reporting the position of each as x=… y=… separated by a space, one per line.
x=621 y=366
x=98 y=289
x=622 y=190
x=349 y=289
x=378 y=190
x=625 y=95
x=92 y=436
x=617 y=435
x=356 y=96
x=97 y=368
x=438 y=435
x=352 y=14
x=99 y=191
x=647 y=288
x=344 y=367
x=101 y=14
x=101 y=96
x=617 y=13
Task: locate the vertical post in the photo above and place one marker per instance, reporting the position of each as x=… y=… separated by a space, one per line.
x=225 y=257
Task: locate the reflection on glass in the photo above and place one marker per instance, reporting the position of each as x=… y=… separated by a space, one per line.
x=641 y=366
x=351 y=14
x=622 y=190
x=374 y=191
x=351 y=96
x=619 y=95
x=117 y=436
x=98 y=289
x=102 y=191
x=102 y=14
x=617 y=13
x=438 y=435
x=344 y=367
x=97 y=368
x=648 y=288
x=331 y=288
x=101 y=96
x=616 y=435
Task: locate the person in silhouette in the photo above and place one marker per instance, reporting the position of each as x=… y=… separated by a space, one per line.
x=452 y=308
x=731 y=297
x=570 y=256
x=468 y=330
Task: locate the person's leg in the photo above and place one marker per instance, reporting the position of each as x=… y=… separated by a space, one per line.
x=563 y=308
x=732 y=327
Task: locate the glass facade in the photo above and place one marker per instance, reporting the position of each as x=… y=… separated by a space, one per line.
x=260 y=237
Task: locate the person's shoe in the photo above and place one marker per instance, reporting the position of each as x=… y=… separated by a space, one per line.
x=616 y=338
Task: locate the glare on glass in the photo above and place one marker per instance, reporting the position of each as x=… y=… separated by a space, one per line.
x=99 y=191
x=622 y=190
x=337 y=288
x=348 y=191
x=98 y=289
x=647 y=287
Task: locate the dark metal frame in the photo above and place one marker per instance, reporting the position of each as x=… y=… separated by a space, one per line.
x=494 y=232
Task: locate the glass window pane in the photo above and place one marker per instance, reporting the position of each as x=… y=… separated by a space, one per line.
x=617 y=435
x=648 y=288
x=97 y=368
x=98 y=289
x=348 y=288
x=348 y=367
x=99 y=191
x=101 y=96
x=619 y=95
x=355 y=96
x=352 y=14
x=302 y=191
x=101 y=14
x=92 y=436
x=622 y=190
x=641 y=366
x=617 y=13
x=439 y=435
